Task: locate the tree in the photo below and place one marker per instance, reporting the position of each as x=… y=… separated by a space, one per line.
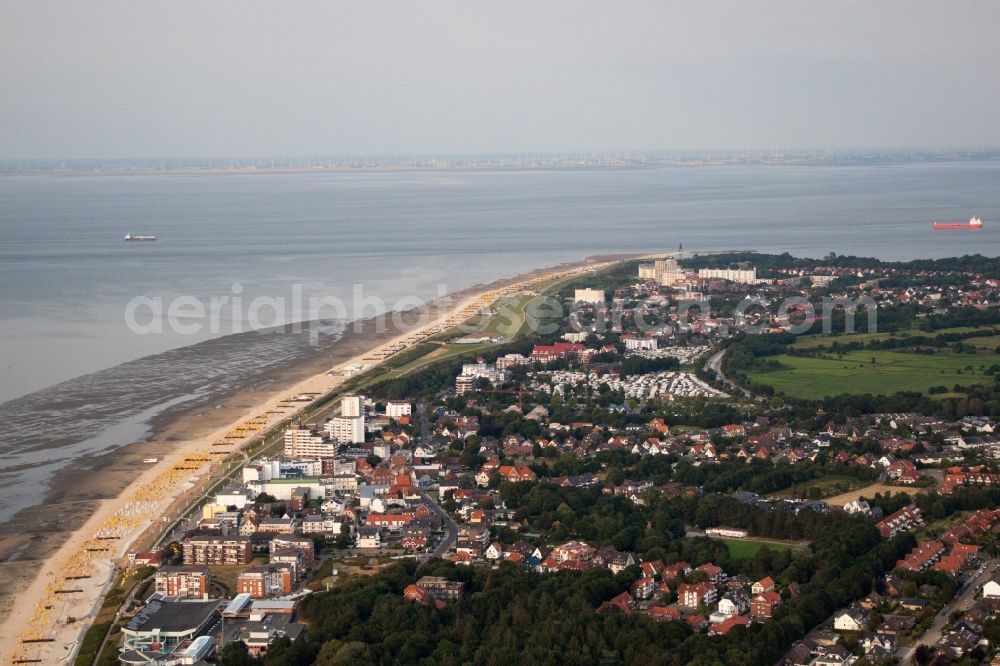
x=236 y=654
x=344 y=538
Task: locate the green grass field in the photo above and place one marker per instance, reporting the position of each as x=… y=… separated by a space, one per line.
x=987 y=344
x=814 y=341
x=815 y=378
x=749 y=547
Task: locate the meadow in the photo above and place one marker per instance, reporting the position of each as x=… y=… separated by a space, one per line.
x=739 y=548
x=876 y=372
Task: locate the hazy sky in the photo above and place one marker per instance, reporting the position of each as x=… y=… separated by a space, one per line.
x=134 y=78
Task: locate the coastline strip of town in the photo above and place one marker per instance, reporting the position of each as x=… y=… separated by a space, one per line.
x=50 y=615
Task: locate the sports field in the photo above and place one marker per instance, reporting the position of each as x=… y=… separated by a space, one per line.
x=876 y=372
x=749 y=547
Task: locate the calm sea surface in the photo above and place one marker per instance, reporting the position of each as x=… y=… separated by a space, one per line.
x=67 y=277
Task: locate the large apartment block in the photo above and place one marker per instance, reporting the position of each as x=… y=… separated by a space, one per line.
x=741 y=275
x=185 y=582
x=394 y=410
x=265 y=581
x=304 y=442
x=217 y=550
x=346 y=429
x=351 y=406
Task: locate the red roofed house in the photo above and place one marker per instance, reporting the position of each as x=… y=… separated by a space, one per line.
x=950 y=564
x=728 y=624
x=763 y=585
x=546 y=353
x=393 y=521
x=676 y=570
x=417 y=594
x=515 y=474
x=573 y=550
x=692 y=595
x=697 y=622
x=654 y=568
x=659 y=425
x=622 y=602
x=763 y=604
x=715 y=574
x=665 y=613
x=643 y=588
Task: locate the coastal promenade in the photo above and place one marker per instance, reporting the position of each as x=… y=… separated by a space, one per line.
x=51 y=615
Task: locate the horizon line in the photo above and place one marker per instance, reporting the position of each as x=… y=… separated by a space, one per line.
x=637 y=155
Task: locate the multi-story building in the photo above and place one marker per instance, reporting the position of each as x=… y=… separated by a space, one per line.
x=634 y=343
x=187 y=582
x=346 y=429
x=442 y=588
x=592 y=296
x=351 y=406
x=508 y=361
x=217 y=550
x=471 y=372
x=300 y=543
x=303 y=441
x=667 y=272
x=692 y=595
x=394 y=410
x=740 y=275
x=264 y=581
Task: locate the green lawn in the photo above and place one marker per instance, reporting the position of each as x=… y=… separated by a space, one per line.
x=749 y=547
x=813 y=341
x=814 y=378
x=987 y=344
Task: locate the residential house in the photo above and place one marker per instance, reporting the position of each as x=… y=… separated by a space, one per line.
x=763 y=585
x=763 y=604
x=852 y=619
x=693 y=595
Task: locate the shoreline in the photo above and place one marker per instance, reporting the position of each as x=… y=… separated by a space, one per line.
x=192 y=433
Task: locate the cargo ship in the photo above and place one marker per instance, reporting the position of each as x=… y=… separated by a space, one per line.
x=974 y=223
x=130 y=237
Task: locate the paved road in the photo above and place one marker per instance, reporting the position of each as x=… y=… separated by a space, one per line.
x=425 y=429
x=121 y=611
x=963 y=602
x=714 y=364
x=450 y=529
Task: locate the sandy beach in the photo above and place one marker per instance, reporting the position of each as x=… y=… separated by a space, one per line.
x=99 y=509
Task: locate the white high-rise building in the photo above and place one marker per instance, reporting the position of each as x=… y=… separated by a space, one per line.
x=743 y=276
x=350 y=406
x=347 y=429
x=301 y=442
x=394 y=410
x=668 y=273
x=593 y=296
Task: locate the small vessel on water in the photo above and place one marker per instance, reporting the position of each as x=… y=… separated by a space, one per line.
x=130 y=237
x=150 y=461
x=973 y=223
